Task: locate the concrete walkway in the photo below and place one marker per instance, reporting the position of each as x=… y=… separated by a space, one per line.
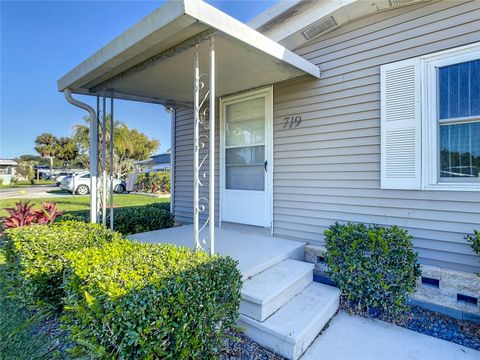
x=356 y=338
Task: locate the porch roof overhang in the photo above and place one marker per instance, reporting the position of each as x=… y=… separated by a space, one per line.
x=153 y=60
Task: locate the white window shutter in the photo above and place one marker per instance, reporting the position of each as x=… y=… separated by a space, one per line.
x=400 y=125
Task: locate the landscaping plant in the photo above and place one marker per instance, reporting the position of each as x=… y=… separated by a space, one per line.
x=375 y=267
x=127 y=300
x=36 y=255
x=133 y=219
x=475 y=240
x=23 y=214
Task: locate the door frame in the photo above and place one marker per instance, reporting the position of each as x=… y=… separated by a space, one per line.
x=266 y=92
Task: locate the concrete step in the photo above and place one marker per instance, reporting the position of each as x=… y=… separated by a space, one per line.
x=291 y=330
x=266 y=292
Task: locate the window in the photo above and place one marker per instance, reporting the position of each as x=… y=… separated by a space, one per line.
x=451 y=119
x=459 y=121
x=430 y=121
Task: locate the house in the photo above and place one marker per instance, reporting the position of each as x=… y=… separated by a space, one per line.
x=159 y=162
x=8 y=169
x=324 y=111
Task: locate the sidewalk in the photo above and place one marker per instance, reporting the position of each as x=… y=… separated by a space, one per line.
x=356 y=338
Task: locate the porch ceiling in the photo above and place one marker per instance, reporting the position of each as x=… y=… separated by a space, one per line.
x=153 y=61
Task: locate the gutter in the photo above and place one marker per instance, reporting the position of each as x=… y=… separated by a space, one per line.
x=93 y=152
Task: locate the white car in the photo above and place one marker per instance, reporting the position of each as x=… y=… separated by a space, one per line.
x=61 y=176
x=82 y=184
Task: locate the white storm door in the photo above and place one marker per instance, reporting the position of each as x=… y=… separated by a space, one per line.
x=245 y=159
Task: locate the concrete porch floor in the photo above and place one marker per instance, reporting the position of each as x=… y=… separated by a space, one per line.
x=252 y=246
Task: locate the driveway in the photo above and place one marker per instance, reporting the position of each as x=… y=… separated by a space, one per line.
x=32 y=192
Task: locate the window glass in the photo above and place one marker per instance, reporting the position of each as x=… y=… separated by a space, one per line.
x=245 y=123
x=460 y=150
x=459 y=120
x=459 y=90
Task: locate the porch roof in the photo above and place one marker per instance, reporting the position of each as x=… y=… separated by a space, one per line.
x=153 y=60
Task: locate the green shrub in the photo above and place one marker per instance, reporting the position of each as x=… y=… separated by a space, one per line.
x=133 y=219
x=475 y=240
x=144 y=301
x=36 y=254
x=375 y=267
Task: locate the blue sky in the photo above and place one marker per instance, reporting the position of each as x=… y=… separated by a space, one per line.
x=41 y=41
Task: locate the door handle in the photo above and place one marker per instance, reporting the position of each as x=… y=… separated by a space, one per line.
x=265 y=165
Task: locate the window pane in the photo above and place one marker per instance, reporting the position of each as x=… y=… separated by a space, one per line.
x=245 y=177
x=460 y=150
x=246 y=155
x=459 y=90
x=245 y=124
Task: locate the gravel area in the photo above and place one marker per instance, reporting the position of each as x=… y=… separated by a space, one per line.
x=240 y=347
x=463 y=332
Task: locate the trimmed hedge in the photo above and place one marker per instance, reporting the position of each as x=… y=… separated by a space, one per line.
x=375 y=267
x=36 y=255
x=145 y=301
x=133 y=219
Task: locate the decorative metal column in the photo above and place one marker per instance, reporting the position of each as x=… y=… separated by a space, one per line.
x=111 y=160
x=204 y=115
x=104 y=183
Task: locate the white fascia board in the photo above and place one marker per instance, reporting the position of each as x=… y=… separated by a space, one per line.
x=313 y=13
x=272 y=12
x=217 y=19
x=121 y=49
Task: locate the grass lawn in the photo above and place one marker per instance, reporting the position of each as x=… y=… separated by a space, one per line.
x=27 y=183
x=70 y=203
x=25 y=334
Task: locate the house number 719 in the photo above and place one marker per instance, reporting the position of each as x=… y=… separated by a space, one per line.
x=292 y=121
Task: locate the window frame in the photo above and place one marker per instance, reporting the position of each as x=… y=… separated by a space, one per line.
x=431 y=179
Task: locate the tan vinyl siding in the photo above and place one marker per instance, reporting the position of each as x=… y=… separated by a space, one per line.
x=183 y=204
x=328 y=169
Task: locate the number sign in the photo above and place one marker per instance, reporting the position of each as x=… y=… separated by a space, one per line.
x=292 y=121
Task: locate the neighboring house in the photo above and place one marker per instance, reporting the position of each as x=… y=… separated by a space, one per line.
x=362 y=111
x=159 y=162
x=8 y=169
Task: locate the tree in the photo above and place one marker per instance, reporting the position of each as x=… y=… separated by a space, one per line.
x=129 y=145
x=66 y=151
x=46 y=146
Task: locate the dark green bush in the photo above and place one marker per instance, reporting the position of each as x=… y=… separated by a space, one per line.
x=475 y=240
x=36 y=255
x=375 y=267
x=133 y=219
x=138 y=219
x=145 y=301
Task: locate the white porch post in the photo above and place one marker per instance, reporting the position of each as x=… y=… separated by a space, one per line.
x=201 y=109
x=104 y=157
x=211 y=172
x=196 y=146
x=111 y=160
x=93 y=155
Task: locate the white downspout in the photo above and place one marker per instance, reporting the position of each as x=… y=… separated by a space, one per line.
x=173 y=113
x=93 y=152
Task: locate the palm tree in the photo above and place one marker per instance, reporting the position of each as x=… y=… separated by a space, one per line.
x=46 y=146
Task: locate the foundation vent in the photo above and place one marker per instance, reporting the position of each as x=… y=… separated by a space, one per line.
x=400 y=2
x=319 y=27
x=468 y=300
x=430 y=282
